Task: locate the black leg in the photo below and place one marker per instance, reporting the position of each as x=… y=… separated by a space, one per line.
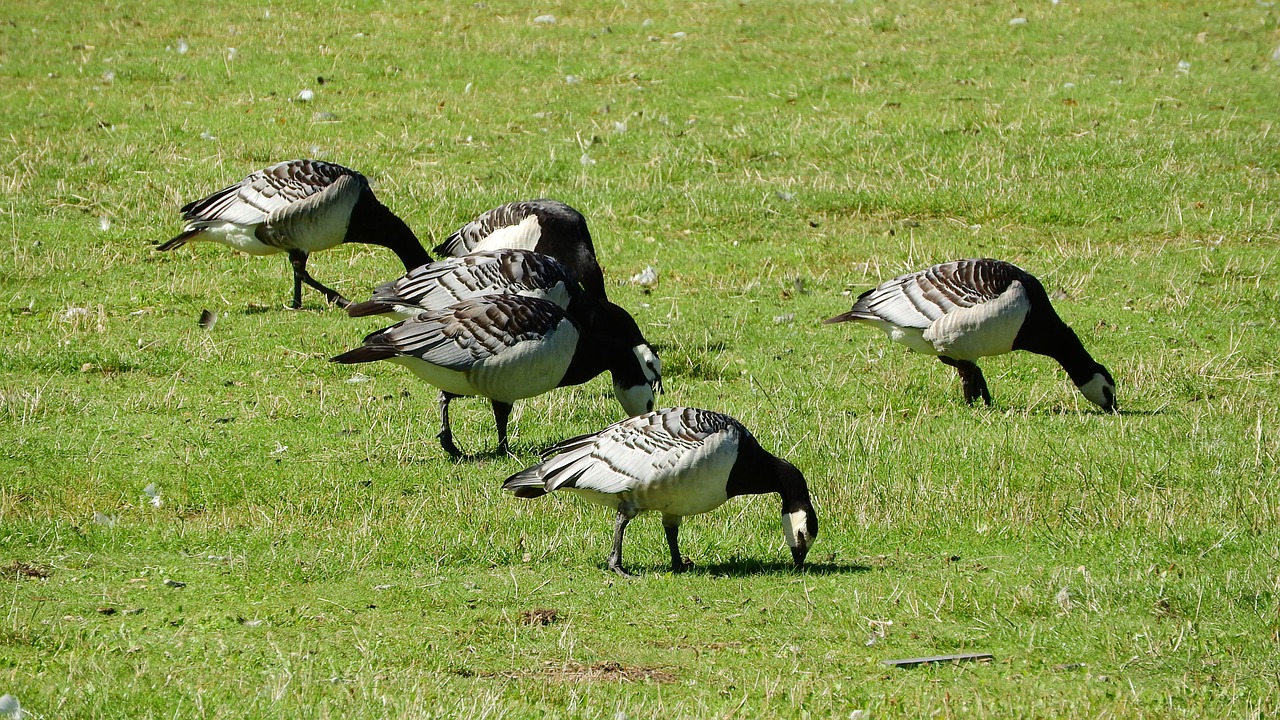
x=298 y=259
x=971 y=379
x=501 y=414
x=446 y=434
x=615 y=555
x=671 y=523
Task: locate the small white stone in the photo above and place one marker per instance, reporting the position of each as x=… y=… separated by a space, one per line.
x=572 y=79
x=586 y=160
x=678 y=35
x=231 y=54
x=467 y=90
x=545 y=20
x=619 y=127
x=10 y=707
x=104 y=223
x=1018 y=21
x=306 y=95
x=206 y=135
x=1184 y=67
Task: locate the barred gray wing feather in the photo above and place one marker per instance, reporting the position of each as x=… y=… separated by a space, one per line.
x=472 y=331
x=467 y=237
x=254 y=199
x=617 y=458
x=447 y=281
x=918 y=299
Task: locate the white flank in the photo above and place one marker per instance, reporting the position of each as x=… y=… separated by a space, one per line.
x=514 y=372
x=320 y=221
x=985 y=329
x=692 y=483
x=524 y=236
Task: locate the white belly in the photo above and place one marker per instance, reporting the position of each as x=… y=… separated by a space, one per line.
x=681 y=504
x=982 y=330
x=240 y=237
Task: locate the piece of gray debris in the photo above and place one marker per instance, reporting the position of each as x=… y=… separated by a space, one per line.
x=962 y=657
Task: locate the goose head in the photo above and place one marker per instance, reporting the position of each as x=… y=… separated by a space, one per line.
x=799 y=519
x=1100 y=389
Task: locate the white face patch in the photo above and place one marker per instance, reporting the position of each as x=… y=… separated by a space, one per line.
x=795 y=528
x=636 y=400
x=652 y=366
x=1100 y=392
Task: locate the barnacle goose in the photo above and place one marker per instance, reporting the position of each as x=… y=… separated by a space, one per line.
x=678 y=461
x=546 y=226
x=507 y=347
x=299 y=207
x=967 y=309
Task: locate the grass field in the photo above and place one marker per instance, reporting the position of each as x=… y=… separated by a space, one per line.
x=312 y=553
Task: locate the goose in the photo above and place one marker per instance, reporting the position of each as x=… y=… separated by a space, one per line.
x=298 y=207
x=678 y=461
x=508 y=347
x=546 y=226
x=968 y=309
x=445 y=282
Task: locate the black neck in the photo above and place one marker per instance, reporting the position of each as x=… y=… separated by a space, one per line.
x=374 y=224
x=589 y=360
x=1053 y=338
x=757 y=472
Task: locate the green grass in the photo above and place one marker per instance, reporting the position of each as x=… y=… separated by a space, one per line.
x=770 y=162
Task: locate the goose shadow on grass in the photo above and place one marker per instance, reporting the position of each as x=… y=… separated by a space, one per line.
x=743 y=567
x=1062 y=411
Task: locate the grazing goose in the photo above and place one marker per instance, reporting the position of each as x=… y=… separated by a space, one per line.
x=299 y=207
x=508 y=347
x=678 y=461
x=445 y=282
x=546 y=226
x=964 y=310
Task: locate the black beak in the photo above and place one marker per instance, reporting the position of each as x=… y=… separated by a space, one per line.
x=798 y=554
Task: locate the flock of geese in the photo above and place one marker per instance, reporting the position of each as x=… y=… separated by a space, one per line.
x=517 y=307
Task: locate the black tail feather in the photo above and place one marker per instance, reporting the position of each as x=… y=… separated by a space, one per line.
x=178 y=241
x=367 y=353
x=369 y=307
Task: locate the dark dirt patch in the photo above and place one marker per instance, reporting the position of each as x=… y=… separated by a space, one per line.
x=608 y=671
x=20 y=569
x=539 y=617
